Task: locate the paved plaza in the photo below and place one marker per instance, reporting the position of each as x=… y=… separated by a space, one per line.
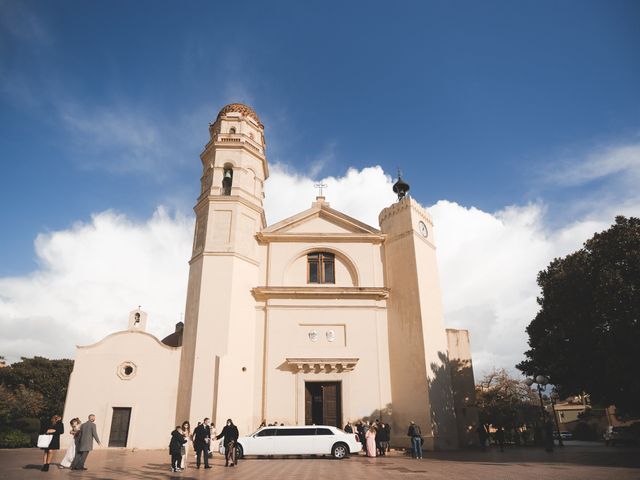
x=578 y=460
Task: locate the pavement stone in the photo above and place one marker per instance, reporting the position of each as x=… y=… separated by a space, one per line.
x=577 y=460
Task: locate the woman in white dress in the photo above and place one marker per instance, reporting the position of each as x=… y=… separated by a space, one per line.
x=71 y=451
x=186 y=429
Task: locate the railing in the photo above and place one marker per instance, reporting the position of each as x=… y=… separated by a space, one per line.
x=238 y=138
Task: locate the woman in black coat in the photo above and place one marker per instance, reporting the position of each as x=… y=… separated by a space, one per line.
x=175 y=448
x=56 y=428
x=230 y=434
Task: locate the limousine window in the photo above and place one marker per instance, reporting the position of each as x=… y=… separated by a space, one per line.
x=267 y=432
x=323 y=431
x=283 y=432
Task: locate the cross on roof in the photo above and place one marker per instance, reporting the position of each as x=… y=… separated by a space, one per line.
x=320 y=186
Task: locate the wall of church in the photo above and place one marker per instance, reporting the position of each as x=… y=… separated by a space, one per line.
x=127 y=369
x=327 y=331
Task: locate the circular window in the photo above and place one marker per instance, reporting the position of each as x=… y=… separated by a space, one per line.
x=127 y=370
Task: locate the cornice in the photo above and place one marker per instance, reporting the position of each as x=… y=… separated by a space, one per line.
x=362 y=293
x=374 y=238
x=406 y=203
x=322 y=364
x=201 y=254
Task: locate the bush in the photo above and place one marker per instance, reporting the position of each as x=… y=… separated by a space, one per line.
x=584 y=431
x=12 y=438
x=28 y=425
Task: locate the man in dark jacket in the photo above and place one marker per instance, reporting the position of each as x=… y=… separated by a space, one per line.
x=416 y=439
x=201 y=440
x=230 y=434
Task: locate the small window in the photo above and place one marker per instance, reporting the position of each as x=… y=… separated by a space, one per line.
x=232 y=130
x=323 y=431
x=267 y=432
x=321 y=268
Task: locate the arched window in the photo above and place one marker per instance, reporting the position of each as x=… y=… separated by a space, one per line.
x=232 y=130
x=321 y=268
x=227 y=181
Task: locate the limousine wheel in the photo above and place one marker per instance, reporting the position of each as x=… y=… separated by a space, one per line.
x=340 y=450
x=239 y=452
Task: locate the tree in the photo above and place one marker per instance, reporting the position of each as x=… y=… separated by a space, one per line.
x=39 y=376
x=587 y=330
x=506 y=401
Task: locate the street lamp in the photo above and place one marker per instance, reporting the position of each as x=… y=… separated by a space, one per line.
x=541 y=382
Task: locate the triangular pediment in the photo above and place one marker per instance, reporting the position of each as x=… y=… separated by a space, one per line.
x=321 y=219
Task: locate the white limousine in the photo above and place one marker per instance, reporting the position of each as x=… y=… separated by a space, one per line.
x=299 y=440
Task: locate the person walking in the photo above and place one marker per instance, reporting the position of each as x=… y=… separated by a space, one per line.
x=482 y=435
x=186 y=431
x=230 y=434
x=201 y=441
x=88 y=433
x=55 y=429
x=500 y=437
x=416 y=439
x=384 y=434
x=361 y=436
x=387 y=437
x=175 y=448
x=371 y=441
x=71 y=450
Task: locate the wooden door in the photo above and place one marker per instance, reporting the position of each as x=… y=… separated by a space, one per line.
x=308 y=404
x=331 y=404
x=119 y=427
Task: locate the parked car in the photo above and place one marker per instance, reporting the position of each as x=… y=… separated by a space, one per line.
x=299 y=440
x=564 y=435
x=619 y=435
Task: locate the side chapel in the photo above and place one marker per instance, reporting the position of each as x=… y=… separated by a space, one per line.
x=317 y=319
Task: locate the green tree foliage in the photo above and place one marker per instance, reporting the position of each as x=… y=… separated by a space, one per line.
x=587 y=331
x=506 y=401
x=22 y=402
x=37 y=379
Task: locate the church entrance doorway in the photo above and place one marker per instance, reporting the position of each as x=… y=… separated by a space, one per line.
x=323 y=403
x=119 y=427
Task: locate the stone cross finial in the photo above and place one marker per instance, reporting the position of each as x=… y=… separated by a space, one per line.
x=320 y=186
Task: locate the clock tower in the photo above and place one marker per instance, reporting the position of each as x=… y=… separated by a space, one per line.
x=418 y=353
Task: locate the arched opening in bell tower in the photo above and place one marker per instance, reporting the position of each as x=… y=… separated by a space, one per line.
x=227 y=179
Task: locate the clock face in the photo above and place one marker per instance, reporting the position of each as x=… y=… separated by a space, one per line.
x=423 y=229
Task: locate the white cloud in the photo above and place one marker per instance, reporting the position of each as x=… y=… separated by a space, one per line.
x=360 y=193
x=92 y=274
x=605 y=162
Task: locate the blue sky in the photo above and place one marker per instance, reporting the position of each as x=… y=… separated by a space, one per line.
x=105 y=105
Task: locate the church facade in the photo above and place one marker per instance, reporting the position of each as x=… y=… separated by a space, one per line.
x=317 y=319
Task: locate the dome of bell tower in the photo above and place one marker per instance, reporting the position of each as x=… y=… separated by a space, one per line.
x=240 y=108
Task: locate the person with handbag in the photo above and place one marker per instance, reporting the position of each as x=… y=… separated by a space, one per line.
x=56 y=428
x=71 y=450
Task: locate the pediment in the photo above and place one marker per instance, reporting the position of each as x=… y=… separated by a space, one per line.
x=320 y=219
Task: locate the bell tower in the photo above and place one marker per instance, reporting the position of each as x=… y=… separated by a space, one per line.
x=216 y=378
x=418 y=351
